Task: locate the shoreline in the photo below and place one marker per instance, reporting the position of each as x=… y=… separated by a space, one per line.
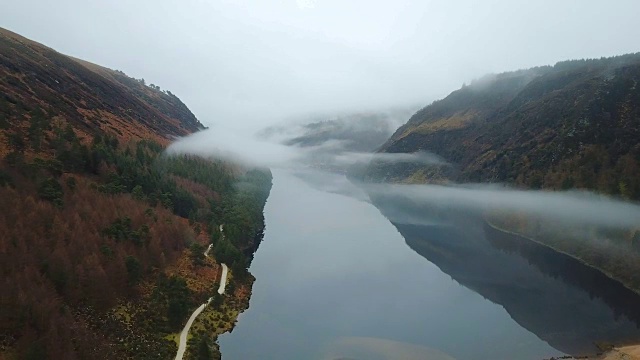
x=617 y=352
x=509 y=232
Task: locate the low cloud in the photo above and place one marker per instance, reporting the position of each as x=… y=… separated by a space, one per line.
x=420 y=157
x=232 y=145
x=272 y=151
x=572 y=206
x=321 y=167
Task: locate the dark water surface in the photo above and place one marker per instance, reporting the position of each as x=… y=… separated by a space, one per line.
x=336 y=279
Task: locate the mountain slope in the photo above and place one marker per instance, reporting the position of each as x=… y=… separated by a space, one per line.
x=101 y=234
x=359 y=132
x=575 y=124
x=35 y=78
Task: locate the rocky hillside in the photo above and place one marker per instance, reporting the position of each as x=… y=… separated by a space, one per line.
x=102 y=236
x=572 y=125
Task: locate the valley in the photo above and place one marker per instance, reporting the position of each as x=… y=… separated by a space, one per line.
x=499 y=222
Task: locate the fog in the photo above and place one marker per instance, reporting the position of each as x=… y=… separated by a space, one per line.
x=571 y=207
x=258 y=151
x=232 y=145
x=241 y=64
x=245 y=64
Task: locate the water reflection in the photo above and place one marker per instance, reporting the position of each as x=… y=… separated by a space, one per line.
x=569 y=305
x=381 y=349
x=335 y=280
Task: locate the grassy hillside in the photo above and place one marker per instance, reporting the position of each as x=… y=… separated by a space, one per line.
x=102 y=235
x=572 y=125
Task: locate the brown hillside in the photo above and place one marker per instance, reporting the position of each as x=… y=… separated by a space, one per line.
x=102 y=236
x=91 y=98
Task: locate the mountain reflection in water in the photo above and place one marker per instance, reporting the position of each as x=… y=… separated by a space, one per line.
x=569 y=305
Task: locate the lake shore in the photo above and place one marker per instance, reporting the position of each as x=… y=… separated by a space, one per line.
x=619 y=352
x=491 y=224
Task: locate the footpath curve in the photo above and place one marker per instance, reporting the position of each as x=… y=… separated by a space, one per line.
x=182 y=345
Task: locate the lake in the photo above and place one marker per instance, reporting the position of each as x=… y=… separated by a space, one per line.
x=335 y=279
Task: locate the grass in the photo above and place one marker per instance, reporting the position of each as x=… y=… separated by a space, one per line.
x=458 y=120
x=122 y=312
x=418 y=177
x=215 y=321
x=175 y=337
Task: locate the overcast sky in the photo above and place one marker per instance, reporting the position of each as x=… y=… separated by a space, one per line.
x=249 y=63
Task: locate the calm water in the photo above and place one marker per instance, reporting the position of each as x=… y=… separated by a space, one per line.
x=336 y=279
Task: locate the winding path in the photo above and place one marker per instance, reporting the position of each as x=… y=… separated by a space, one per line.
x=182 y=346
x=223 y=280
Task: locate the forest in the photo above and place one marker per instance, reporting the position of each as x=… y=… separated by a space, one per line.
x=84 y=229
x=102 y=233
